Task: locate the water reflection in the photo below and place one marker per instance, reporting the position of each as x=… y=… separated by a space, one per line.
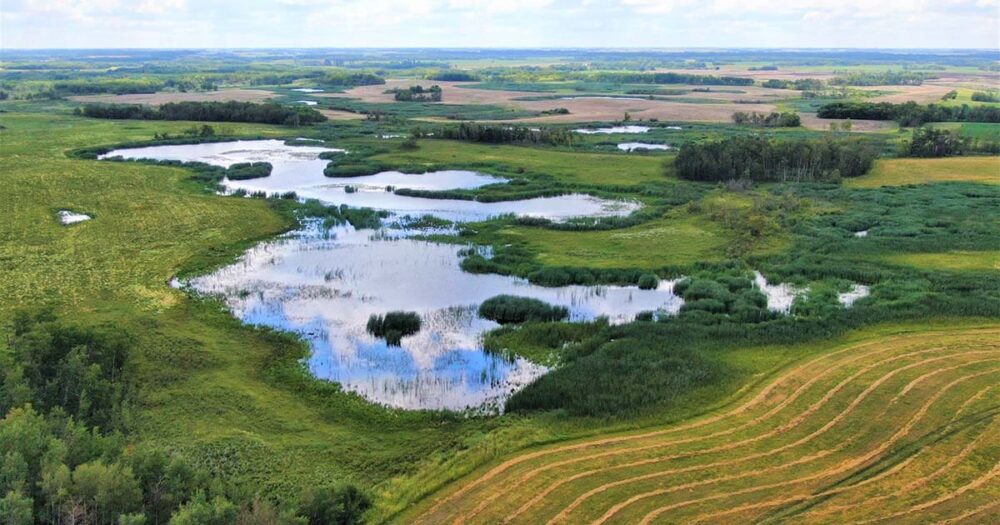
x=325 y=285
x=299 y=169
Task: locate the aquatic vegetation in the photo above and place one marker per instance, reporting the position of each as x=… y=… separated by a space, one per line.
x=393 y=326
x=508 y=309
x=249 y=170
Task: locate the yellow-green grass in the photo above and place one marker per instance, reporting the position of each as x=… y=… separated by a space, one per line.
x=896 y=172
x=901 y=427
x=678 y=239
x=588 y=168
x=957 y=260
x=203 y=389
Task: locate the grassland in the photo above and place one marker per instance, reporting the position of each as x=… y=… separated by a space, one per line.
x=895 y=172
x=954 y=260
x=230 y=397
x=206 y=390
x=888 y=425
x=595 y=168
x=676 y=240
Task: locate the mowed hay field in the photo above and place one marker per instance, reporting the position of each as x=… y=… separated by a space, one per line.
x=893 y=428
x=896 y=172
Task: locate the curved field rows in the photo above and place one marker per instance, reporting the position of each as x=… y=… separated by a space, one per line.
x=900 y=429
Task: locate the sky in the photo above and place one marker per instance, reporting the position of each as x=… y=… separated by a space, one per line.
x=499 y=23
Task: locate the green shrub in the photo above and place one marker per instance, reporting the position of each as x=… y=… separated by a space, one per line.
x=648 y=281
x=393 y=326
x=249 y=170
x=506 y=309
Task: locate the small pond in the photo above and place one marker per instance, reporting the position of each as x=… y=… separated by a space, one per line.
x=67 y=217
x=613 y=130
x=633 y=146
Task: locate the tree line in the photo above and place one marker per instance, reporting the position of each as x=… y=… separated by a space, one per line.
x=503 y=134
x=267 y=113
x=65 y=398
x=760 y=159
x=417 y=94
x=767 y=120
x=909 y=113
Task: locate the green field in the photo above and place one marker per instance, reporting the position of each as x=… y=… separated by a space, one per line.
x=895 y=172
x=570 y=167
x=892 y=423
x=955 y=260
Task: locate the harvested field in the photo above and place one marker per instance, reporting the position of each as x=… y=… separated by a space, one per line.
x=901 y=428
x=336 y=114
x=811 y=121
x=155 y=99
x=719 y=109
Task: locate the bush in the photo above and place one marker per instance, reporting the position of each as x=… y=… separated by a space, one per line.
x=648 y=281
x=506 y=309
x=249 y=170
x=393 y=326
x=343 y=506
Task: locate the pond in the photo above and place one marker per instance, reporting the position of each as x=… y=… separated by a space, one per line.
x=633 y=146
x=299 y=169
x=613 y=129
x=323 y=284
x=67 y=217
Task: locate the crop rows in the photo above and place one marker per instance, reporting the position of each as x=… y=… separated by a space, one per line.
x=902 y=429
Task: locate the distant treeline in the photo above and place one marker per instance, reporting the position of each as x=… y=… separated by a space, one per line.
x=909 y=113
x=802 y=84
x=504 y=134
x=667 y=78
x=208 y=111
x=350 y=79
x=760 y=159
x=880 y=78
x=453 y=76
x=767 y=120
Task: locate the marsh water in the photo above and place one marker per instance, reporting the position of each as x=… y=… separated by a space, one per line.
x=324 y=283
x=299 y=169
x=633 y=146
x=613 y=130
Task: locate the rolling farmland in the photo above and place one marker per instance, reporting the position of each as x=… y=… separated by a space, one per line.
x=900 y=429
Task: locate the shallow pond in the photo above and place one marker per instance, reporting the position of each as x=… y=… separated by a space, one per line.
x=325 y=284
x=299 y=169
x=613 y=129
x=67 y=217
x=633 y=146
x=308 y=102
